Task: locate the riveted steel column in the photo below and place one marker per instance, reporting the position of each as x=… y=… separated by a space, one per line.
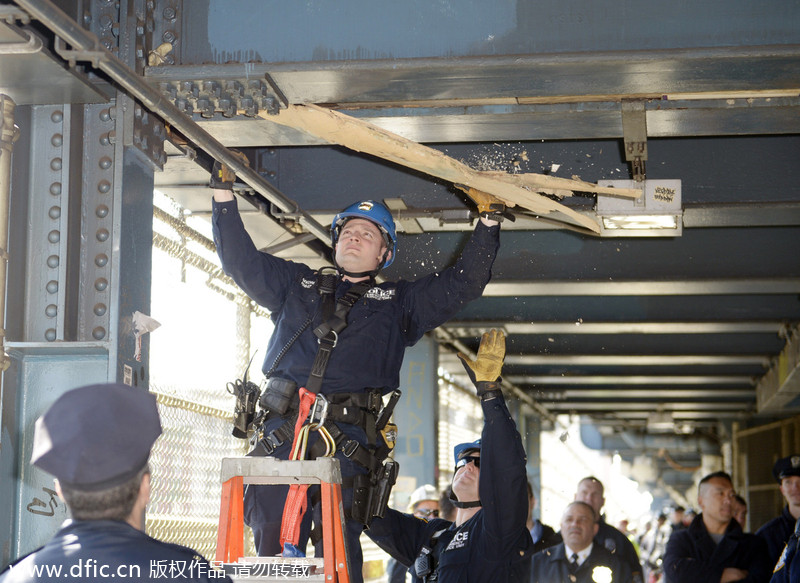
x=126 y=277
x=166 y=39
x=82 y=234
x=51 y=174
x=98 y=203
x=8 y=135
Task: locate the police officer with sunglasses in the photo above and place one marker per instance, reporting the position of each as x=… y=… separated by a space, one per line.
x=488 y=541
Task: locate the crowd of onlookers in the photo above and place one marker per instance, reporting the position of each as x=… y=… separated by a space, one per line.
x=677 y=546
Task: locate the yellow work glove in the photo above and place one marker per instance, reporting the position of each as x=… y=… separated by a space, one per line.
x=484 y=371
x=489 y=206
x=222 y=176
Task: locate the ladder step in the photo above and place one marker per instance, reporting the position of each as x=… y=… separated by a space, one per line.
x=236 y=472
x=263 y=569
x=269 y=470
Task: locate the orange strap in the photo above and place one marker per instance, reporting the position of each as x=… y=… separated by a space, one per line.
x=296 y=501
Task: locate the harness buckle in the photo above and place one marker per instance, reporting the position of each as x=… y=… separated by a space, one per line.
x=335 y=339
x=349 y=448
x=270 y=442
x=319 y=411
x=374 y=401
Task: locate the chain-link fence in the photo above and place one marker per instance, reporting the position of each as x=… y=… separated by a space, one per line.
x=202 y=344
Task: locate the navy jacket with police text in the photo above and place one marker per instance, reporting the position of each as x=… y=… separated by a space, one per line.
x=388 y=318
x=494 y=544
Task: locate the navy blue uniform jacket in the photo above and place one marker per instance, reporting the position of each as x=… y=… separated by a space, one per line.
x=551 y=566
x=787 y=569
x=776 y=532
x=692 y=556
x=493 y=545
x=386 y=320
x=87 y=551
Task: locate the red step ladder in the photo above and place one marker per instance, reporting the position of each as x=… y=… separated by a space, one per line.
x=236 y=472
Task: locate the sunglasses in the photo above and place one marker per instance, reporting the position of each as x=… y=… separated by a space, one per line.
x=470 y=458
x=426 y=512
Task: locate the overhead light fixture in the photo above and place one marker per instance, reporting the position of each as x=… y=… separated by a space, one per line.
x=657 y=213
x=660 y=420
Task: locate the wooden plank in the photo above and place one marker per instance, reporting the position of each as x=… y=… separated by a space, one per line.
x=525 y=190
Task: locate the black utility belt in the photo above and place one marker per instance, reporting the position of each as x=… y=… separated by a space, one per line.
x=280 y=397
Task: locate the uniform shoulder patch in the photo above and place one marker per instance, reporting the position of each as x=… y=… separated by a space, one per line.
x=377 y=293
x=781 y=560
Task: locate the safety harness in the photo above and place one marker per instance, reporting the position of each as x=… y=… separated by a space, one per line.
x=316 y=412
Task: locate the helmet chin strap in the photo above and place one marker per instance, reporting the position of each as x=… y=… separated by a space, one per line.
x=359 y=274
x=458 y=504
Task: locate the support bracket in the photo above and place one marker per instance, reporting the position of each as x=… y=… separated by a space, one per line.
x=634 y=135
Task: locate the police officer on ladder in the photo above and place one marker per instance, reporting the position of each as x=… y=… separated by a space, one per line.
x=364 y=358
x=489 y=540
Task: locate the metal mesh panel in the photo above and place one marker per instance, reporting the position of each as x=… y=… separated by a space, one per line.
x=757 y=450
x=460 y=420
x=203 y=343
x=184 y=506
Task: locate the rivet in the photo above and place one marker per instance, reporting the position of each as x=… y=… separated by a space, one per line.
x=53 y=261
x=105 y=162
x=50 y=334
x=52 y=286
x=101 y=211
x=57 y=116
x=101 y=260
x=57 y=140
x=99 y=309
x=54 y=212
x=55 y=164
x=51 y=311
x=102 y=235
x=101 y=284
x=103 y=186
x=99 y=333
x=55 y=189
x=54 y=236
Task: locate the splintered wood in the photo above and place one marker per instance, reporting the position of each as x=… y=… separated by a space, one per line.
x=525 y=190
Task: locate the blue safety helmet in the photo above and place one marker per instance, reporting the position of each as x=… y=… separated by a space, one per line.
x=374 y=212
x=463 y=449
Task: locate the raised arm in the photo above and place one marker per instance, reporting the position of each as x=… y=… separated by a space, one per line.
x=503 y=483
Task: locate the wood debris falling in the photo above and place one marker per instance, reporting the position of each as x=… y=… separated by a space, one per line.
x=527 y=190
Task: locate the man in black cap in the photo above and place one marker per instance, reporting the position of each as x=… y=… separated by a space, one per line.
x=778 y=530
x=96 y=441
x=489 y=540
